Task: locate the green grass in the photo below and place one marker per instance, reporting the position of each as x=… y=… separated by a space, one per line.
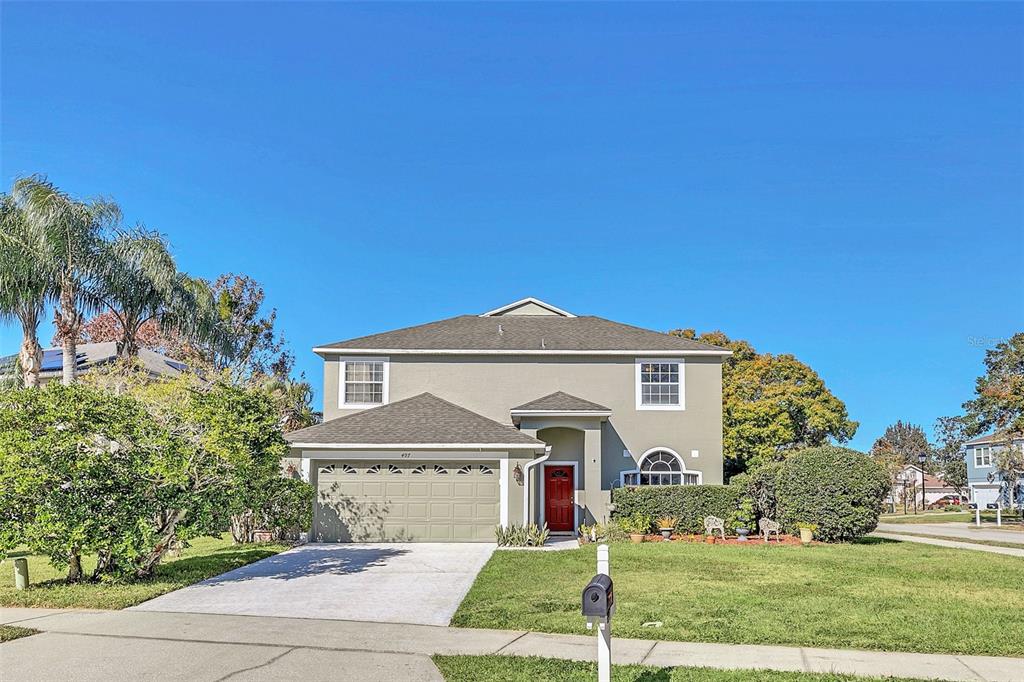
x=9 y=632
x=206 y=557
x=514 y=669
x=875 y=594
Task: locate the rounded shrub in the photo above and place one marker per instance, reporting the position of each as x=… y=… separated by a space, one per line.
x=838 y=489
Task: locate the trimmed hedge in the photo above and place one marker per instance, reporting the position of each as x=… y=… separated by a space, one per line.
x=688 y=503
x=838 y=489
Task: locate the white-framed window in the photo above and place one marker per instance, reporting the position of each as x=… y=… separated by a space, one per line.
x=983 y=456
x=363 y=382
x=661 y=466
x=660 y=384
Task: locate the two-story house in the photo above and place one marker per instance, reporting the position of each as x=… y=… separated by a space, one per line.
x=985 y=483
x=526 y=413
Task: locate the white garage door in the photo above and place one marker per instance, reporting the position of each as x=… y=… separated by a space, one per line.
x=406 y=501
x=983 y=495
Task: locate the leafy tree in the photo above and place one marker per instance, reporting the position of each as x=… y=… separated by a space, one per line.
x=250 y=347
x=905 y=441
x=107 y=327
x=74 y=466
x=954 y=474
x=64 y=238
x=999 y=393
x=293 y=401
x=951 y=433
x=772 y=404
x=25 y=286
x=1008 y=467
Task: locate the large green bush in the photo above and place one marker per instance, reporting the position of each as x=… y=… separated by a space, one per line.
x=687 y=503
x=838 y=489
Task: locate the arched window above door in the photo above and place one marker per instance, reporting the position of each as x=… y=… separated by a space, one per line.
x=661 y=466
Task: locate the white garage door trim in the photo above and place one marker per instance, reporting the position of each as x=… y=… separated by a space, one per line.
x=437 y=500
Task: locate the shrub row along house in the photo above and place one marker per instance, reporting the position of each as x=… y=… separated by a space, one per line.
x=526 y=413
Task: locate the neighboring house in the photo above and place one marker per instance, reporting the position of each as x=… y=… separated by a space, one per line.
x=91 y=355
x=986 y=485
x=908 y=484
x=527 y=413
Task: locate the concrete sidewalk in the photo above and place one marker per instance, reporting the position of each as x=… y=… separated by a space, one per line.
x=963 y=531
x=204 y=647
x=952 y=544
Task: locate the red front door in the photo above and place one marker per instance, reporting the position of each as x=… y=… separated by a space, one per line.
x=559 y=510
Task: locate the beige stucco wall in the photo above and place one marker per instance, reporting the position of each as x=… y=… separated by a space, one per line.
x=493 y=385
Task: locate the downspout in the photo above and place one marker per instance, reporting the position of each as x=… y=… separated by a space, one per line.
x=526 y=482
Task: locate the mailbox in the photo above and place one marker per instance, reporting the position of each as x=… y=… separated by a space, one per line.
x=992 y=505
x=598 y=597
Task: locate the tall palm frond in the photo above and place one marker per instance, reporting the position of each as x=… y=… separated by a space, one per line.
x=67 y=237
x=25 y=286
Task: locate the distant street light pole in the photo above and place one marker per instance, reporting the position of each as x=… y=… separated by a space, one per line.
x=921 y=459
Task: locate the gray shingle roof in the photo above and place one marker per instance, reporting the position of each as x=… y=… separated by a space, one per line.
x=560 y=401
x=423 y=419
x=993 y=437
x=91 y=355
x=524 y=333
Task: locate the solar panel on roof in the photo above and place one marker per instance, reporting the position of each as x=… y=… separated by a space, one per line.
x=53 y=360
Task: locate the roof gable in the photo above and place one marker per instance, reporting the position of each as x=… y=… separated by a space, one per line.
x=560 y=401
x=527 y=306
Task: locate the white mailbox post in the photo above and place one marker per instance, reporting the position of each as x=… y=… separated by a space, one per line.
x=598 y=607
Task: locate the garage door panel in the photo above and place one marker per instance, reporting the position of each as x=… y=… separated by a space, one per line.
x=464 y=489
x=418 y=489
x=441 y=489
x=402 y=501
x=396 y=489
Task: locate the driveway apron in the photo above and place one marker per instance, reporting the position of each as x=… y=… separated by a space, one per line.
x=418 y=583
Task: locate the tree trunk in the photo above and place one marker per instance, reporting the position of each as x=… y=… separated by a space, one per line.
x=69 y=323
x=243 y=528
x=104 y=564
x=167 y=534
x=74 y=567
x=31 y=355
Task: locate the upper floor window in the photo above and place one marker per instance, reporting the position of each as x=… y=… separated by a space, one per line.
x=364 y=382
x=659 y=385
x=983 y=456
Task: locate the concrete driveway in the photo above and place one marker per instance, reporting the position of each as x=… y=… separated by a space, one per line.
x=418 y=583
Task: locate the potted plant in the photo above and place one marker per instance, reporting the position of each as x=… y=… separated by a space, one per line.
x=666 y=525
x=806 y=532
x=742 y=518
x=636 y=526
x=584 y=533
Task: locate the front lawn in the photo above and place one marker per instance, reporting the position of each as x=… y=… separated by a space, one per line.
x=875 y=594
x=514 y=669
x=9 y=632
x=205 y=558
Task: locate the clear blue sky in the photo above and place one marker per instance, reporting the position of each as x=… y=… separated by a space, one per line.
x=841 y=182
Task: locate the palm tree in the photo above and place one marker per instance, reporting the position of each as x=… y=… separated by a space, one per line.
x=66 y=236
x=24 y=287
x=293 y=400
x=139 y=281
